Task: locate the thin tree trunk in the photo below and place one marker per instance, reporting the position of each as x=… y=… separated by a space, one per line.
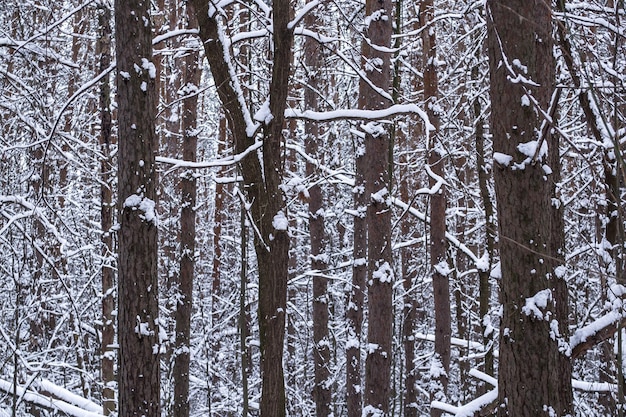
x=378 y=216
x=139 y=379
x=191 y=81
x=440 y=366
x=322 y=394
x=106 y=217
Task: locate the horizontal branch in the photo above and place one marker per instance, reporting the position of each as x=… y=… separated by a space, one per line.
x=357 y=114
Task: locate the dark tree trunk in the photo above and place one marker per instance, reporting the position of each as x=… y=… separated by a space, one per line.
x=106 y=217
x=191 y=79
x=139 y=380
x=267 y=203
x=378 y=216
x=322 y=394
x=438 y=202
x=529 y=356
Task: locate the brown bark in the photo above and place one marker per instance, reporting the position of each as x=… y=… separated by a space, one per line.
x=268 y=207
x=139 y=379
x=484 y=176
x=354 y=309
x=529 y=356
x=377 y=63
x=322 y=394
x=191 y=80
x=438 y=203
x=106 y=217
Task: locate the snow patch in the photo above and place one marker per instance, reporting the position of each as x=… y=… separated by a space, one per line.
x=148 y=66
x=537 y=303
x=280 y=222
x=143 y=204
x=384 y=273
x=502 y=158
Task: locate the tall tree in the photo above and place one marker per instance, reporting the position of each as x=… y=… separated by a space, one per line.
x=262 y=180
x=139 y=380
x=190 y=81
x=440 y=366
x=522 y=83
x=374 y=95
x=322 y=394
x=106 y=216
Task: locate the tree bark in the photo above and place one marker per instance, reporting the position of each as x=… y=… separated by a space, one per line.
x=139 y=379
x=106 y=217
x=262 y=180
x=531 y=345
x=440 y=366
x=377 y=64
x=191 y=81
x=322 y=394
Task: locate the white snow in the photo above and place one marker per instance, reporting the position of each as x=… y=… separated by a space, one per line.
x=581 y=335
x=502 y=158
x=280 y=222
x=383 y=273
x=530 y=149
x=380 y=196
x=143 y=204
x=148 y=66
x=482 y=264
x=537 y=303
x=443 y=268
x=374 y=128
x=264 y=115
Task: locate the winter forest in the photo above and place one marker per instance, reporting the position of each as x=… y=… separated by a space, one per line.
x=359 y=208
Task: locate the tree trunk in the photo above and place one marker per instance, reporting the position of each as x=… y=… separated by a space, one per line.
x=106 y=217
x=262 y=187
x=139 y=380
x=191 y=81
x=440 y=366
x=530 y=332
x=322 y=394
x=378 y=216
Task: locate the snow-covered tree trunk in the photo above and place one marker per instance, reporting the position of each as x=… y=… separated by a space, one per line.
x=184 y=290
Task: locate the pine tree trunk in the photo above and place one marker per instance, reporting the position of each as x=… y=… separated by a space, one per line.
x=378 y=216
x=530 y=331
x=106 y=217
x=191 y=81
x=440 y=366
x=322 y=394
x=139 y=379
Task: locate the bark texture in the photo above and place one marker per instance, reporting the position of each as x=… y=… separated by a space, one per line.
x=139 y=380
x=531 y=376
x=322 y=394
x=374 y=95
x=262 y=178
x=438 y=201
x=191 y=80
x=103 y=48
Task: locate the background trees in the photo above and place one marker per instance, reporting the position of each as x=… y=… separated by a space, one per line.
x=298 y=149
